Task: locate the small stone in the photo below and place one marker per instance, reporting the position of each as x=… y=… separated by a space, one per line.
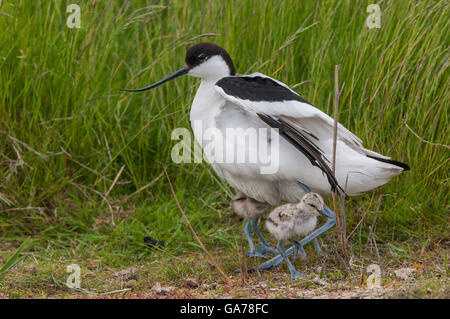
x=33 y=268
x=191 y=283
x=92 y=265
x=209 y=286
x=405 y=273
x=127 y=274
x=263 y=284
x=319 y=281
x=157 y=288
x=153 y=242
x=393 y=253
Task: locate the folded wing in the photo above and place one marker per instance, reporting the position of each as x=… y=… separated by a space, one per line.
x=299 y=122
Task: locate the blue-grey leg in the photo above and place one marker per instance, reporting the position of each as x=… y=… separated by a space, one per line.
x=330 y=223
x=248 y=233
x=298 y=248
x=294 y=272
x=304 y=187
x=317 y=246
x=264 y=248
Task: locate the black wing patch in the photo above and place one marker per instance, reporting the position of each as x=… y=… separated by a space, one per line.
x=396 y=163
x=304 y=145
x=257 y=89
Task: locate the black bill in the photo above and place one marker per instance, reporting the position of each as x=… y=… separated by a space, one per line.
x=178 y=73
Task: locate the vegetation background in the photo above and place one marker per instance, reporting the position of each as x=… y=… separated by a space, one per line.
x=81 y=163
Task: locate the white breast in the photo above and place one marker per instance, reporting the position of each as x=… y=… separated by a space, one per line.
x=207 y=105
x=211 y=111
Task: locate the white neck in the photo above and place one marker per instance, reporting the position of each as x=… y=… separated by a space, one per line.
x=207 y=101
x=207 y=105
x=211 y=70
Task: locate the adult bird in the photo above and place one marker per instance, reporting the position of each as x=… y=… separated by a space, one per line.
x=241 y=103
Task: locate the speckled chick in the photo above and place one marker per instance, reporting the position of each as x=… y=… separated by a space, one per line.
x=247 y=207
x=251 y=209
x=293 y=220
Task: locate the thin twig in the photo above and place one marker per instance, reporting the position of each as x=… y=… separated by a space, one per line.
x=105 y=199
x=144 y=187
x=114 y=292
x=70 y=157
x=211 y=258
x=107 y=147
x=343 y=222
x=106 y=196
x=40 y=209
x=6 y=200
x=28 y=147
x=360 y=221
x=372 y=227
x=424 y=140
x=371 y=236
x=340 y=218
x=333 y=154
x=115 y=181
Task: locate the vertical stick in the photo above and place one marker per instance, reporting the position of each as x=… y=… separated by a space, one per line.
x=333 y=154
x=340 y=220
x=371 y=236
x=343 y=224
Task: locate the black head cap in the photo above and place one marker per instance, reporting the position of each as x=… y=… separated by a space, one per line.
x=202 y=51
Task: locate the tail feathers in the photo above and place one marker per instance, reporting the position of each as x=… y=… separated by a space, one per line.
x=389 y=161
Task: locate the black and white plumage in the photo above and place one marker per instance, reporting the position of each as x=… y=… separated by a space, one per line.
x=225 y=100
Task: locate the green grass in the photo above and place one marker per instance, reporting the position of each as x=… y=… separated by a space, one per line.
x=66 y=131
x=14 y=259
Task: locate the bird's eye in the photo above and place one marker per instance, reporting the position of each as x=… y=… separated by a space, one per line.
x=201 y=57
